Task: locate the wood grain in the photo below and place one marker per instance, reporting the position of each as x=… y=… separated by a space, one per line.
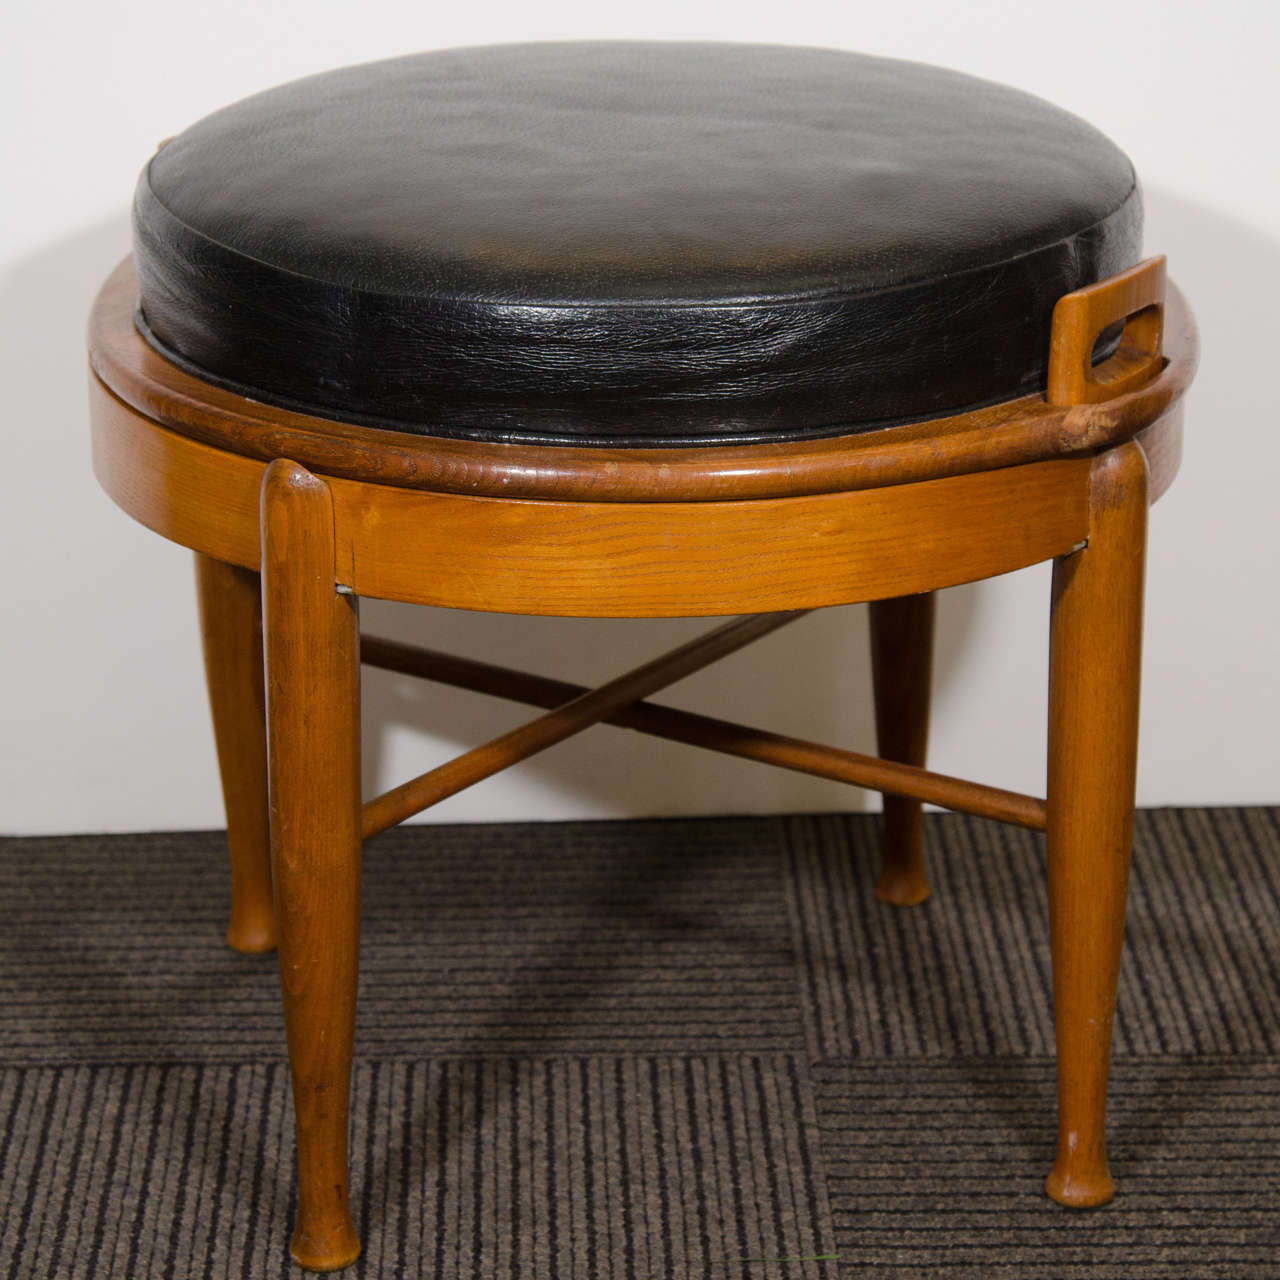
x=711 y=558
x=230 y=602
x=611 y=559
x=1094 y=663
x=313 y=725
x=901 y=673
x=1162 y=443
x=190 y=493
x=1137 y=297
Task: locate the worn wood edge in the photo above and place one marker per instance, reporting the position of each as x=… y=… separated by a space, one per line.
x=1003 y=435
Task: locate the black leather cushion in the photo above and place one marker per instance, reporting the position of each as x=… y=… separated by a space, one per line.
x=628 y=243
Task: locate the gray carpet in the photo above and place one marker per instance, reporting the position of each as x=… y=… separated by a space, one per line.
x=645 y=1050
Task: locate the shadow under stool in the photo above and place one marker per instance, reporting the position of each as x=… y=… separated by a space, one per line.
x=640 y=330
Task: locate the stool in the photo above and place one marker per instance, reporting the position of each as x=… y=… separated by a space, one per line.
x=640 y=330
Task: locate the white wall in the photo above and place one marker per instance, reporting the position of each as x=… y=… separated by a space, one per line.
x=102 y=697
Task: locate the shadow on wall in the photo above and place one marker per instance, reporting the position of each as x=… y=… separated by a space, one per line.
x=44 y=309
x=1230 y=272
x=94 y=676
x=1211 y=699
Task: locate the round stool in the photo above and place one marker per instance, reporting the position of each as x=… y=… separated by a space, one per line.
x=640 y=330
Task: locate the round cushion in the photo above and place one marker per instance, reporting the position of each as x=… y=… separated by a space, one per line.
x=628 y=243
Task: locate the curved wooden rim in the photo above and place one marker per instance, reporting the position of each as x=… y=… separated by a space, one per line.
x=608 y=559
x=1003 y=435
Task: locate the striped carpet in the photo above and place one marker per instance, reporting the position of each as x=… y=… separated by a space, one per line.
x=640 y=1050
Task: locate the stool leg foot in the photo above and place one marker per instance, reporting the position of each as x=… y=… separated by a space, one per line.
x=313 y=729
x=230 y=601
x=1094 y=663
x=901 y=667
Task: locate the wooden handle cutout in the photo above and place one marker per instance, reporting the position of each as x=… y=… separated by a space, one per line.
x=1135 y=296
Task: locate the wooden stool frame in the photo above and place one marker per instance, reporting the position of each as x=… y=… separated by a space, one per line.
x=293 y=518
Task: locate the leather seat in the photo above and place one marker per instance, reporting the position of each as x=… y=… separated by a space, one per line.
x=628 y=244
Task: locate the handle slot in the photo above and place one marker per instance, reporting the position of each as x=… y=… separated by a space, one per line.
x=1135 y=296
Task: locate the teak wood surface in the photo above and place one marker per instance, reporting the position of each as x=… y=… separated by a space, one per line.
x=230 y=603
x=906 y=780
x=312 y=514
x=312 y=653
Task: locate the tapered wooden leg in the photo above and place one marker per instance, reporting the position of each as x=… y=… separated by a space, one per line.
x=1094 y=664
x=313 y=733
x=902 y=670
x=230 y=600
